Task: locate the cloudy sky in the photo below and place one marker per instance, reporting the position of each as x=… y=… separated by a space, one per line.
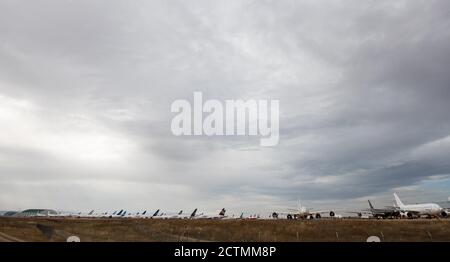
x=86 y=89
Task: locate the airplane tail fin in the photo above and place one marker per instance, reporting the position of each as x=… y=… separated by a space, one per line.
x=299 y=203
x=222 y=212
x=145 y=211
x=193 y=213
x=181 y=212
x=398 y=201
x=90 y=213
x=370 y=204
x=156 y=213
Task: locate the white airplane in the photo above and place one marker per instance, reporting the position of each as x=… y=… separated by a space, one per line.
x=91 y=214
x=98 y=215
x=169 y=216
x=221 y=215
x=81 y=214
x=235 y=217
x=148 y=215
x=155 y=214
x=64 y=214
x=427 y=209
x=180 y=214
x=186 y=216
x=302 y=212
x=128 y=214
x=251 y=216
x=116 y=214
x=138 y=215
x=124 y=214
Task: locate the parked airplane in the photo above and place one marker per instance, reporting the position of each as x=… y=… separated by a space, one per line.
x=116 y=214
x=388 y=212
x=221 y=215
x=165 y=216
x=90 y=214
x=147 y=215
x=137 y=215
x=417 y=210
x=155 y=214
x=178 y=215
x=192 y=215
x=254 y=216
x=302 y=212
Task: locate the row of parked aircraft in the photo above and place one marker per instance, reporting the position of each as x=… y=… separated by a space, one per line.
x=156 y=215
x=399 y=210
x=408 y=210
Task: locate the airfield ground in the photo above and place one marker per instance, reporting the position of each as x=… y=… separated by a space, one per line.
x=174 y=230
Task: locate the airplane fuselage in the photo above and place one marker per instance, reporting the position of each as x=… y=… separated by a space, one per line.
x=425 y=209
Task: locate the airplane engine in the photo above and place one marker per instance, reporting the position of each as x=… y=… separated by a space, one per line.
x=409 y=215
x=289 y=216
x=444 y=214
x=318 y=216
x=275 y=215
x=332 y=214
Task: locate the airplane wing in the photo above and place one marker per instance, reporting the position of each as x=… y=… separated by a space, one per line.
x=319 y=211
x=392 y=207
x=410 y=211
x=358 y=212
x=286 y=212
x=314 y=212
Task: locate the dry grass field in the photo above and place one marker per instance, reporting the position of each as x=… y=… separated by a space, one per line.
x=46 y=229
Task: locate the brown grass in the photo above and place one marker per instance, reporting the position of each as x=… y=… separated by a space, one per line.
x=46 y=229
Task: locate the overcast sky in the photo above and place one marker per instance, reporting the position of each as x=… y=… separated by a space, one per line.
x=86 y=89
